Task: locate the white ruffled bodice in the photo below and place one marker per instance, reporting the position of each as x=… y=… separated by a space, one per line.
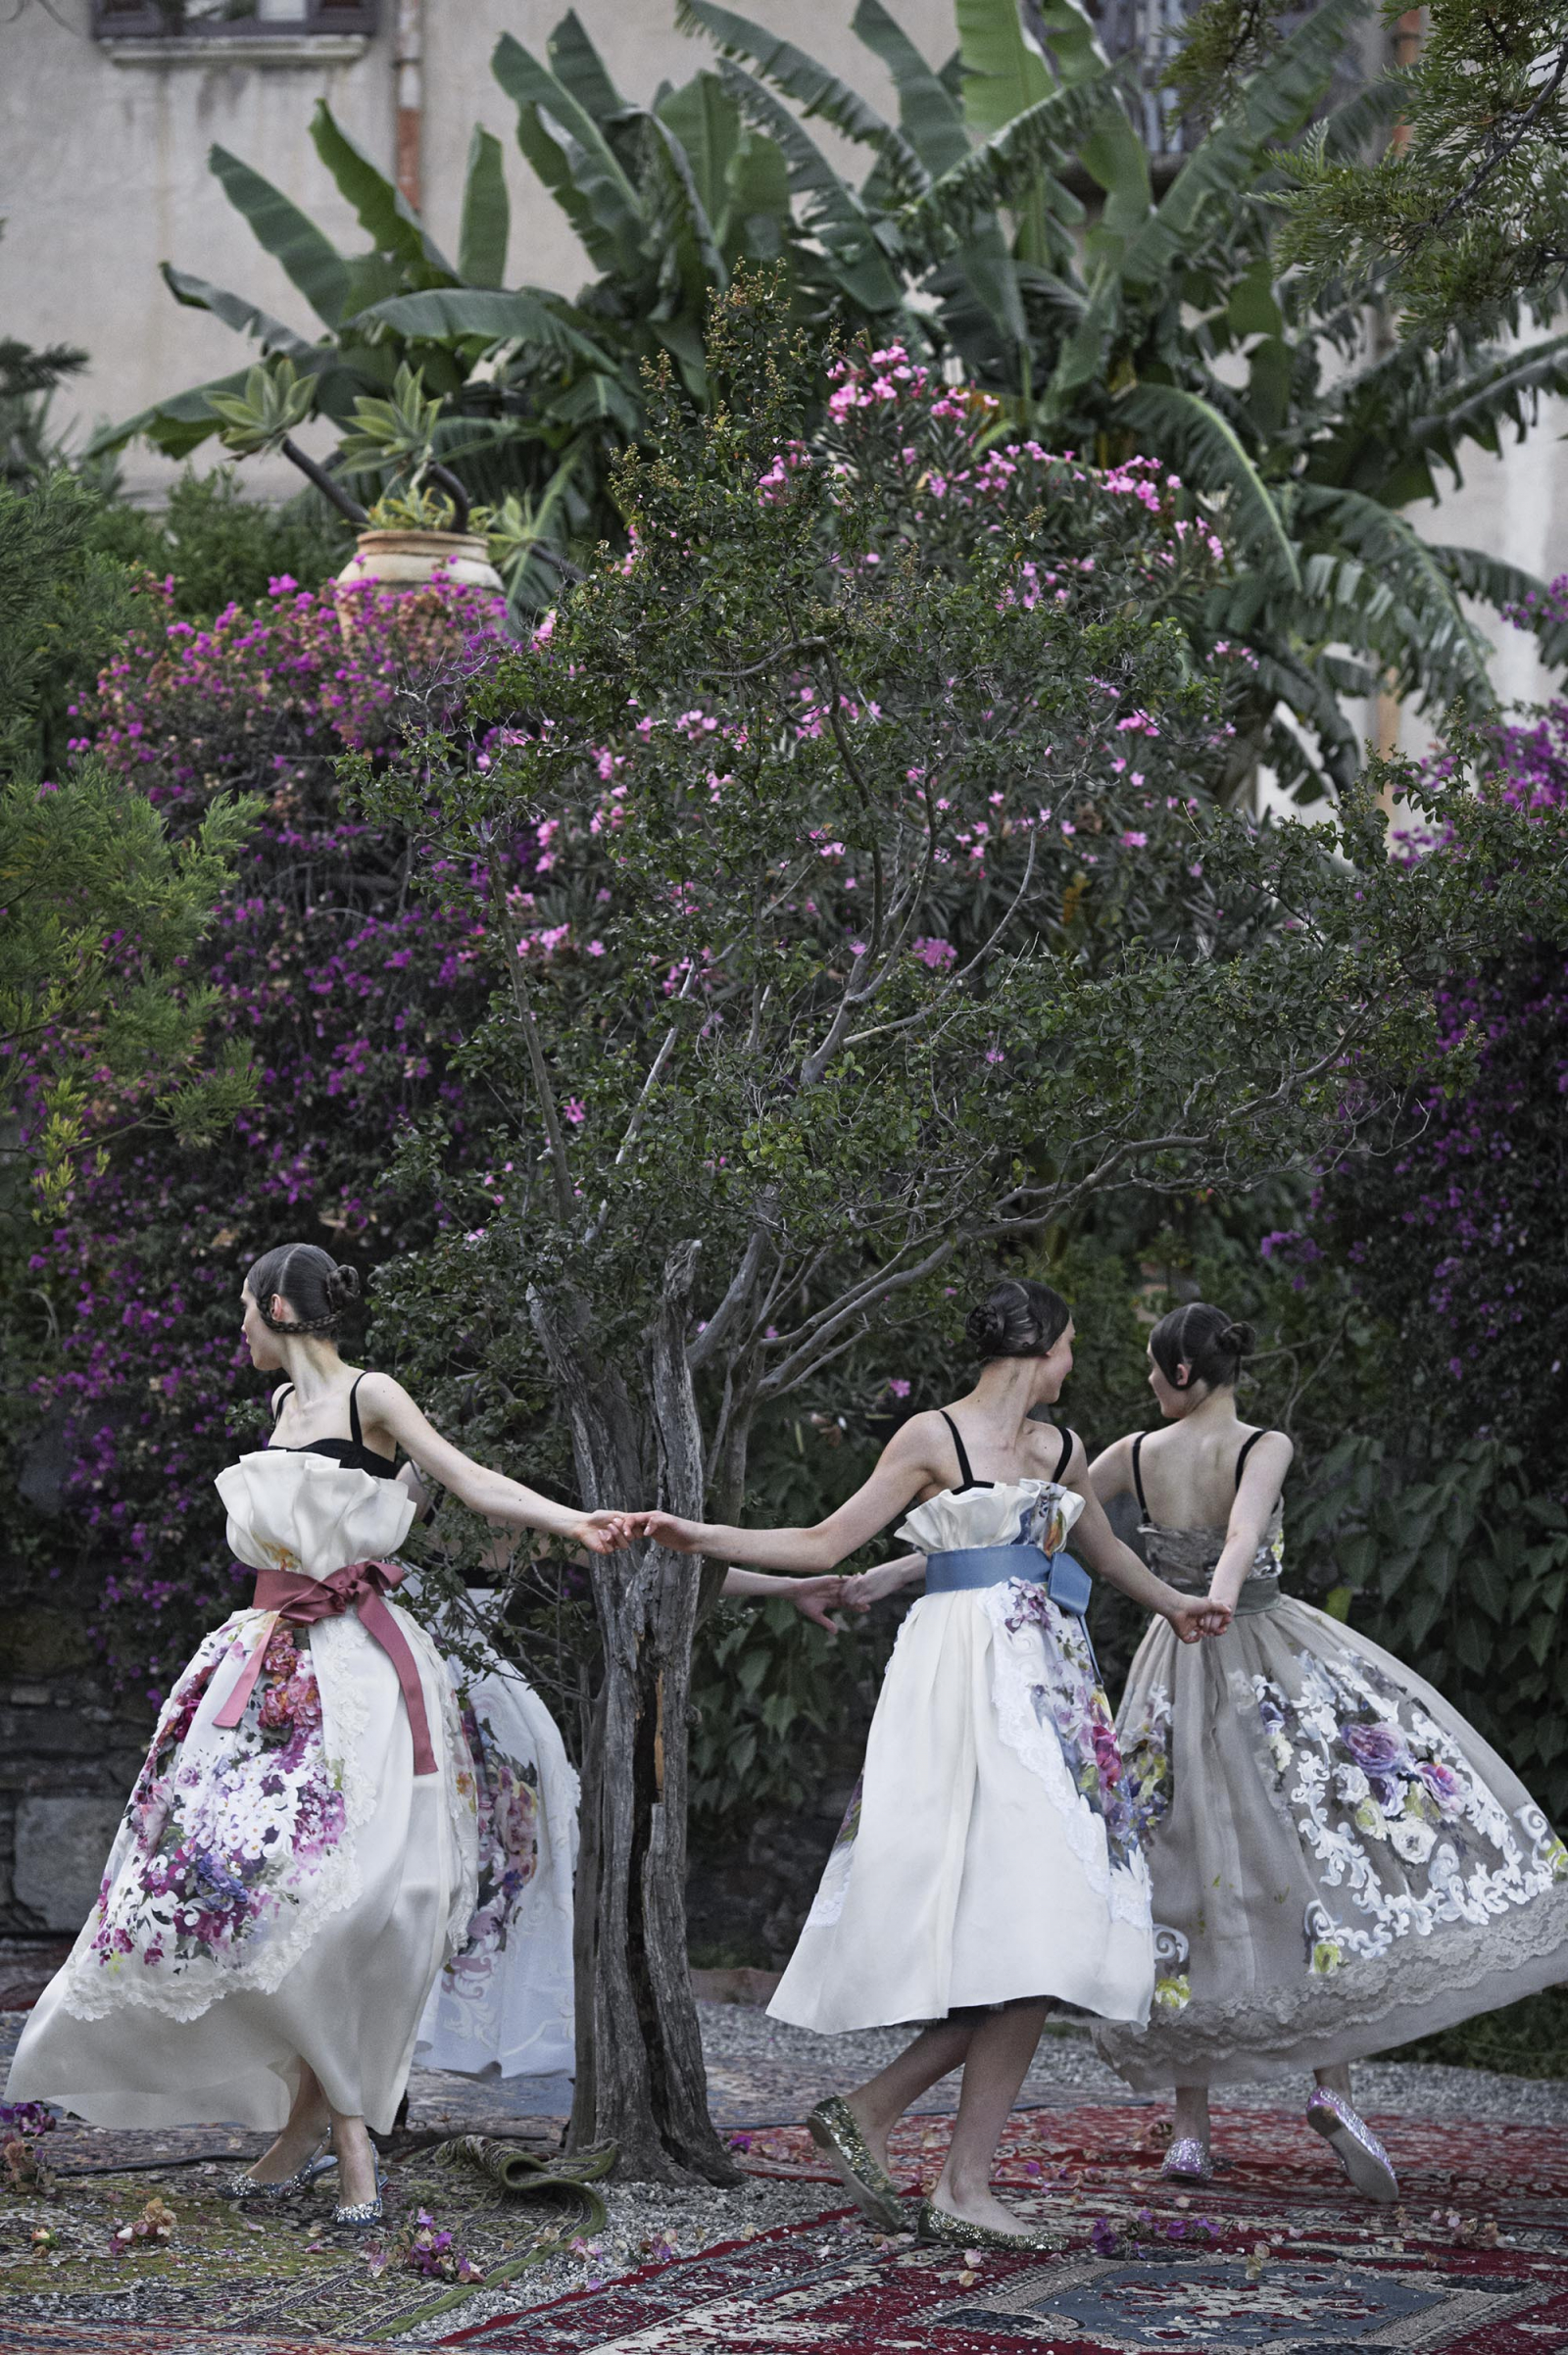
x=304 y=1512
x=1021 y=1513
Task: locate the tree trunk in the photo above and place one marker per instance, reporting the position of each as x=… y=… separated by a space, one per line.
x=641 y=2082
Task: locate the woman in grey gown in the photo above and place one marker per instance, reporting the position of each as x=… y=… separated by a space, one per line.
x=1339 y=1861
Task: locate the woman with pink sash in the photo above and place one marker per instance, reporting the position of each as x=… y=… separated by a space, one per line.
x=297 y=1860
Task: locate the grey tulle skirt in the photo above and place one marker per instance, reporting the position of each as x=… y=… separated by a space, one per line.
x=1339 y=1862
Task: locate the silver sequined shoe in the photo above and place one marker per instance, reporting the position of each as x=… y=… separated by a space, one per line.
x=1354 y=2144
x=360 y=2215
x=242 y=2188
x=1187 y=2161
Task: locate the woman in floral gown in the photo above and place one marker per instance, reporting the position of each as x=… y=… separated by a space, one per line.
x=297 y=1859
x=1339 y=1862
x=986 y=1864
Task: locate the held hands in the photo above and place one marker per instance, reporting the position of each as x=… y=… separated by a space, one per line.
x=888 y=1577
x=1194 y=1616
x=605 y=1532
x=815 y=1598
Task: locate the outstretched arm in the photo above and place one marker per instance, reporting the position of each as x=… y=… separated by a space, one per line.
x=908 y=1463
x=812 y=1597
x=887 y=1577
x=385 y=1405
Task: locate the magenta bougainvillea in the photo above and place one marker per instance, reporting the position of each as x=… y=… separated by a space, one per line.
x=354 y=992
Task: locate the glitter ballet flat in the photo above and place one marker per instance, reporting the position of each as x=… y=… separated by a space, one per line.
x=1354 y=2144
x=836 y=2131
x=934 y=2224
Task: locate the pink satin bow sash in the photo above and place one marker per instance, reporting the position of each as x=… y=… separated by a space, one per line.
x=299 y=1601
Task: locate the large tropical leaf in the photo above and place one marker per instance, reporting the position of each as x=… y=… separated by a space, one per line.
x=811 y=85
x=1408 y=604
x=1189 y=433
x=246 y=318
x=929 y=116
x=526 y=315
x=1505 y=391
x=832 y=209
x=1274 y=103
x=690 y=266
x=382 y=210
x=486 y=222
x=573 y=156
x=1490 y=580
x=1002 y=168
x=309 y=260
x=704 y=120
x=759 y=215
x=1005 y=72
x=579 y=67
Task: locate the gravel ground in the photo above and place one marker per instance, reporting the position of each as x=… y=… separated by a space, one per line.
x=1066 y=2066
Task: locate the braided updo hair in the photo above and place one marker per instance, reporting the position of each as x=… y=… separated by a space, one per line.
x=309 y=1277
x=1210 y=1343
x=1018 y=1318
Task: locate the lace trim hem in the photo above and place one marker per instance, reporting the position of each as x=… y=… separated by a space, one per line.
x=1339 y=2006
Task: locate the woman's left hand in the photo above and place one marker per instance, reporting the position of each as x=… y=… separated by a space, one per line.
x=670 y=1532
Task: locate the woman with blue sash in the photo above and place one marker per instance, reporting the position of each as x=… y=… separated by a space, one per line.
x=988 y=1862
x=1339 y=1861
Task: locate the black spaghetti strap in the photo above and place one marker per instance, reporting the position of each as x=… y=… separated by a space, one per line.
x=1248 y=1444
x=277 y=1403
x=1138 y=1476
x=354 y=1433
x=966 y=1478
x=1065 y=1457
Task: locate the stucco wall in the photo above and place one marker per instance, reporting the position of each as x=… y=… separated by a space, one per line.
x=103 y=170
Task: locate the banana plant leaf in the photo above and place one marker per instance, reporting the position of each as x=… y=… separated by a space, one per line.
x=309 y=260
x=486 y=223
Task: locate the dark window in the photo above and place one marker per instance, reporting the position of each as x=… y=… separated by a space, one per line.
x=168 y=19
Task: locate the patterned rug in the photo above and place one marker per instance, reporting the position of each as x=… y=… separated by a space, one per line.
x=1275 y=2257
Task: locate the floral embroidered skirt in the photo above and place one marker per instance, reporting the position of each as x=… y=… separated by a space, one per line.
x=504 y=1999
x=1339 y=1862
x=988 y=1854
x=280 y=1893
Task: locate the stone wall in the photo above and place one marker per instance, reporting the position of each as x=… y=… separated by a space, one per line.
x=68 y=1755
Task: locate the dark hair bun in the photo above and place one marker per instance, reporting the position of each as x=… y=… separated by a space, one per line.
x=1018 y=1318
x=986 y=1327
x=342 y=1286
x=1205 y=1340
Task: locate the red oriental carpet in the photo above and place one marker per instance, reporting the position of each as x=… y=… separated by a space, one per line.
x=1276 y=2257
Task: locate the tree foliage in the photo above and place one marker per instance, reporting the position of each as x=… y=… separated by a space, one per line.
x=1461 y=217
x=102 y=909
x=880 y=922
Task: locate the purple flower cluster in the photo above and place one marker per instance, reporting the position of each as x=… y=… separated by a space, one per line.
x=352 y=992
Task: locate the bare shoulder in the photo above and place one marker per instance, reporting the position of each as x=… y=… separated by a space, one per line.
x=921 y=1439
x=382 y=1396
x=1275 y=1448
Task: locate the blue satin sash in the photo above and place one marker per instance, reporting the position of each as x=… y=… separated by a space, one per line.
x=1063 y=1577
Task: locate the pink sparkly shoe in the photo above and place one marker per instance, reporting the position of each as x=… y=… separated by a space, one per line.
x=1187 y=2161
x=1354 y=2144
